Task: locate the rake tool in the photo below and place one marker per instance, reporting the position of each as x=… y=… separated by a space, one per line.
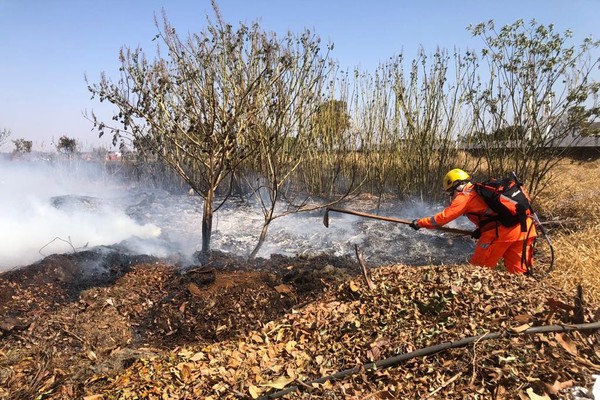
x=400 y=221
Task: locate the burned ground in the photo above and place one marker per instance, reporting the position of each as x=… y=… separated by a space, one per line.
x=89 y=312
x=104 y=324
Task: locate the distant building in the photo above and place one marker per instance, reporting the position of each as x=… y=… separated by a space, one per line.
x=113 y=156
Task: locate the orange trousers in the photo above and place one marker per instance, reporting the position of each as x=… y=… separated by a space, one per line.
x=487 y=254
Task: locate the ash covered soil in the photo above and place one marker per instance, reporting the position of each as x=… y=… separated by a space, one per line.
x=100 y=324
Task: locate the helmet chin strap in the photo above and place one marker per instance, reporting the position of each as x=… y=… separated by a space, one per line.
x=460 y=186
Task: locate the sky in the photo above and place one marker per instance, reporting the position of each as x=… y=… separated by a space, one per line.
x=48 y=46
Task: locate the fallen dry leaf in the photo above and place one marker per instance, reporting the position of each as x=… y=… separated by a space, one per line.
x=194 y=289
x=533 y=396
x=279 y=383
x=94 y=397
x=565 y=341
x=283 y=289
x=290 y=346
x=553 y=303
x=523 y=318
x=255 y=392
x=521 y=328
x=198 y=356
x=557 y=386
x=588 y=363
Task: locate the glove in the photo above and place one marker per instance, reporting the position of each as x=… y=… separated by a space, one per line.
x=414 y=225
x=476 y=234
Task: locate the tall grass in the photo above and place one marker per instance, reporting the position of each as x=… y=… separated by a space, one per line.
x=571 y=205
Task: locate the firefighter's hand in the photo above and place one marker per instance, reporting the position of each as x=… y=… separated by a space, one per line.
x=414 y=225
x=476 y=234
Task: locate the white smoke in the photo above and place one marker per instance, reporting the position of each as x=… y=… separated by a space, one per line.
x=62 y=207
x=50 y=208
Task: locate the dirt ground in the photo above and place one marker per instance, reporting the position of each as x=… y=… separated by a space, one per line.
x=101 y=325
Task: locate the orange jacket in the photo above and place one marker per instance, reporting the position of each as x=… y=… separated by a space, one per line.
x=468 y=202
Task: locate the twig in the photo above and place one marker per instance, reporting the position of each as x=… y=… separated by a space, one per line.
x=363 y=268
x=578 y=310
x=449 y=381
x=65 y=330
x=304 y=385
x=239 y=394
x=55 y=239
x=474 y=370
x=63 y=327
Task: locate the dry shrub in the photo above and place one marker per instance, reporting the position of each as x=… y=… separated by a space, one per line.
x=571 y=204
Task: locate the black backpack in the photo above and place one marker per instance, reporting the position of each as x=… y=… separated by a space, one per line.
x=508 y=199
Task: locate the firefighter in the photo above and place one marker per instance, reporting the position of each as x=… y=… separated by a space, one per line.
x=495 y=241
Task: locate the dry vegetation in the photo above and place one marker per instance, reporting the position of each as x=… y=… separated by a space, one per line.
x=234 y=329
x=571 y=203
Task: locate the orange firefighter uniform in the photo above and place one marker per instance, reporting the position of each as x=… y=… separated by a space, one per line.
x=496 y=241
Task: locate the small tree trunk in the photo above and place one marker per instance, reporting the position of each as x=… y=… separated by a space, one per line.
x=207 y=216
x=261 y=240
x=263 y=233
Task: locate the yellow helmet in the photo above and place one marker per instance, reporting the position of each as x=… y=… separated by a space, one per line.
x=454 y=176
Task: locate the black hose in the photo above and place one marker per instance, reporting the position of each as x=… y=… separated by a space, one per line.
x=388 y=362
x=542 y=230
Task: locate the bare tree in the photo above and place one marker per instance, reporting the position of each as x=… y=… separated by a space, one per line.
x=193 y=109
x=281 y=131
x=529 y=91
x=304 y=132
x=4 y=135
x=218 y=98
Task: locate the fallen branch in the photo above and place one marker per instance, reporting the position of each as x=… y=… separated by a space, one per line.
x=363 y=267
x=389 y=362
